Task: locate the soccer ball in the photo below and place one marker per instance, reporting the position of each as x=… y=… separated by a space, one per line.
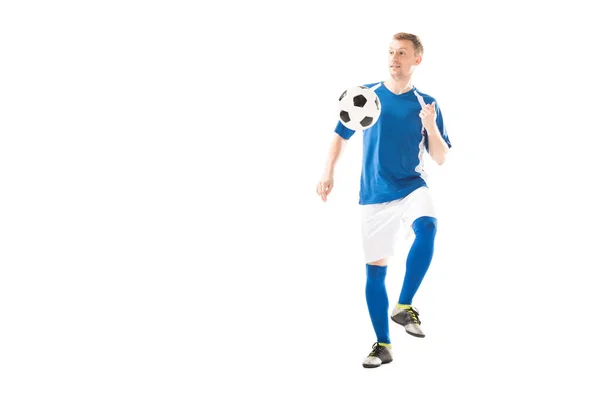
x=359 y=108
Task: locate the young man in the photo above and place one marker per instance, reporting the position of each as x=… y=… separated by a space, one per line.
x=393 y=189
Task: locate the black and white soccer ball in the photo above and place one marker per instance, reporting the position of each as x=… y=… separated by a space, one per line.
x=359 y=108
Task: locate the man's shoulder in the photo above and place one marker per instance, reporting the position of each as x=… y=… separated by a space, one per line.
x=372 y=85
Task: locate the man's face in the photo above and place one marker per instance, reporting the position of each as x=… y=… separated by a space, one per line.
x=402 y=59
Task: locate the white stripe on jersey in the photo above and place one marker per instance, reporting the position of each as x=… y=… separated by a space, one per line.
x=420 y=98
x=419 y=167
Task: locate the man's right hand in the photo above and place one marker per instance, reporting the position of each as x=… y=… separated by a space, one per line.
x=325 y=186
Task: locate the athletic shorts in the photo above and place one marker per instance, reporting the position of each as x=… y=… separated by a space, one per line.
x=383 y=223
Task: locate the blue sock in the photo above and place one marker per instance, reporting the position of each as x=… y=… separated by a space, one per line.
x=419 y=257
x=377 y=302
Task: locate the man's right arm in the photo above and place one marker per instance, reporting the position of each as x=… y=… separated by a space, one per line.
x=335 y=150
x=336 y=147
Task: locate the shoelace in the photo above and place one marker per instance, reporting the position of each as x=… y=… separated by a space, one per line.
x=414 y=315
x=376 y=350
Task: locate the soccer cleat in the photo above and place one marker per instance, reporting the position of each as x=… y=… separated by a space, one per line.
x=381 y=354
x=408 y=317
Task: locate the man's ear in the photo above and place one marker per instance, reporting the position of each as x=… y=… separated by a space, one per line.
x=418 y=60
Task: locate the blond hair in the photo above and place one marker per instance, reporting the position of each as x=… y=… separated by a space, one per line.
x=414 y=39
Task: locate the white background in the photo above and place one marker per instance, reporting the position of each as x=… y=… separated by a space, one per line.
x=160 y=233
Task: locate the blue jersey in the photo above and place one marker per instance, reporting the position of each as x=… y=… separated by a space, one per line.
x=393 y=147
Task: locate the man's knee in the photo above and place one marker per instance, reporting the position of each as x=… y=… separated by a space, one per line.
x=425 y=226
x=379 y=263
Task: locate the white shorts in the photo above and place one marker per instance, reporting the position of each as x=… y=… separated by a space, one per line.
x=382 y=223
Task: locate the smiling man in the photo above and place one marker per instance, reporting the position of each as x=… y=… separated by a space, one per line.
x=393 y=190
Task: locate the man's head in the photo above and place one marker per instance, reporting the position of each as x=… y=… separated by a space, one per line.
x=405 y=52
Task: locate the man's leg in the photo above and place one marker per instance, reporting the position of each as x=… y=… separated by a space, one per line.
x=421 y=216
x=380 y=224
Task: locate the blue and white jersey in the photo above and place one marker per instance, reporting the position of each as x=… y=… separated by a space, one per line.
x=393 y=147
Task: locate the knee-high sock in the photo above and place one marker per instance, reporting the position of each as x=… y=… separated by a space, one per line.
x=377 y=301
x=419 y=257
